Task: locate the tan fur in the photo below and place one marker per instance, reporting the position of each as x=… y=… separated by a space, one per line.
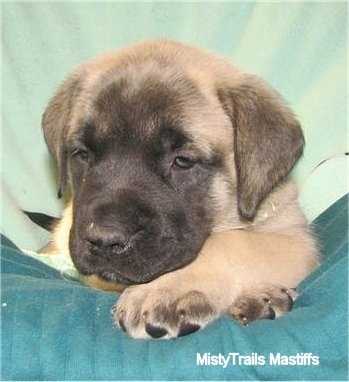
x=275 y=249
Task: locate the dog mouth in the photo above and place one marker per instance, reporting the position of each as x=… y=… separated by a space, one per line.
x=132 y=274
x=118 y=278
x=139 y=261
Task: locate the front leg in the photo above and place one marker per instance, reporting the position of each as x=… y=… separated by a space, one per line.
x=248 y=275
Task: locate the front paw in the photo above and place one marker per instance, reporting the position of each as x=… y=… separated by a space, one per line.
x=264 y=304
x=147 y=312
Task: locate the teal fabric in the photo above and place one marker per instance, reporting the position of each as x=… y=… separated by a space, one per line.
x=56 y=329
x=300 y=48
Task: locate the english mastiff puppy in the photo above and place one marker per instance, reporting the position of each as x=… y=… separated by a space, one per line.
x=177 y=164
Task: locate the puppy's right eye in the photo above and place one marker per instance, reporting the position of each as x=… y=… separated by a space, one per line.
x=183 y=163
x=81 y=154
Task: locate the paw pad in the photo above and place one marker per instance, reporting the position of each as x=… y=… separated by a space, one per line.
x=155 y=331
x=187 y=328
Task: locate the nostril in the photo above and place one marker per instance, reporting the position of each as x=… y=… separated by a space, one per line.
x=107 y=247
x=119 y=248
x=106 y=240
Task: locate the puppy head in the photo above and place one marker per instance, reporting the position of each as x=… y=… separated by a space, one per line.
x=157 y=153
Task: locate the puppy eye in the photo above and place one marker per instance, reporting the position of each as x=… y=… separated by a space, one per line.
x=183 y=163
x=81 y=154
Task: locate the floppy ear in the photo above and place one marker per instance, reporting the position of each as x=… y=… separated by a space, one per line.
x=268 y=139
x=55 y=123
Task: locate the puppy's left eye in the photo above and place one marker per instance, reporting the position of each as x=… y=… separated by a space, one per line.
x=183 y=163
x=81 y=154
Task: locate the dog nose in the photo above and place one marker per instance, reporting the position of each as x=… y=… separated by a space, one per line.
x=107 y=240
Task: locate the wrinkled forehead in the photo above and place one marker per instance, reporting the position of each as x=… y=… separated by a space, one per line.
x=143 y=100
x=144 y=103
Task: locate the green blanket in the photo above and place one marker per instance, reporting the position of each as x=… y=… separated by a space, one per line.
x=56 y=329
